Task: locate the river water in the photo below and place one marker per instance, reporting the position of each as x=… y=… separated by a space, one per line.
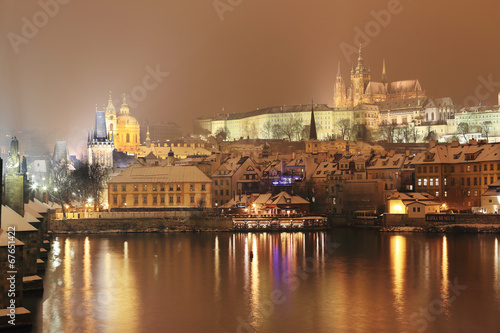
x=344 y=280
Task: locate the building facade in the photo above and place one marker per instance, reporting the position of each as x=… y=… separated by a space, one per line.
x=159 y=186
x=457 y=174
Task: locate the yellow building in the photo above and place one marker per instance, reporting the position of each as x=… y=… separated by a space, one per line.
x=127 y=135
x=156 y=185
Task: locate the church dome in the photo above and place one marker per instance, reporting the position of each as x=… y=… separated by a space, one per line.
x=126 y=120
x=127 y=134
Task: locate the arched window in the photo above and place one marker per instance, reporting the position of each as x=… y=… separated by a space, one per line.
x=128 y=138
x=135 y=138
x=432 y=115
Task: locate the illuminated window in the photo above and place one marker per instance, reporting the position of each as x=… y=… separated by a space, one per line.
x=445 y=194
x=144 y=187
x=437 y=194
x=475 y=193
x=437 y=181
x=178 y=187
x=468 y=193
x=136 y=188
x=425 y=181
x=431 y=182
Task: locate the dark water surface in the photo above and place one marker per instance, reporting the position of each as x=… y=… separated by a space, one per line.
x=345 y=280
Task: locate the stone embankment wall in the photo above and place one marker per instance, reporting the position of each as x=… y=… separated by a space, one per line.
x=139 y=225
x=403 y=220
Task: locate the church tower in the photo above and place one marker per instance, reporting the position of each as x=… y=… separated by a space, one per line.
x=100 y=144
x=110 y=117
x=384 y=74
x=360 y=77
x=339 y=93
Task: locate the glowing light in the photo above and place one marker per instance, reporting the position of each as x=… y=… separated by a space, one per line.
x=398 y=208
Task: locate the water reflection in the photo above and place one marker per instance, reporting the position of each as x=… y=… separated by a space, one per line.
x=398 y=264
x=268 y=282
x=445 y=292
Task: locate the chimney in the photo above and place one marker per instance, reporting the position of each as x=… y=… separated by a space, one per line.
x=472 y=142
x=454 y=144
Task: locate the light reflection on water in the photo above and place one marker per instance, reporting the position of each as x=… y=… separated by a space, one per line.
x=271 y=282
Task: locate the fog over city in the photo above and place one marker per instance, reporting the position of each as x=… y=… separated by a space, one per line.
x=178 y=60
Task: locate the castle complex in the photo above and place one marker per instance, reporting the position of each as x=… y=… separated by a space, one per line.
x=394 y=111
x=362 y=90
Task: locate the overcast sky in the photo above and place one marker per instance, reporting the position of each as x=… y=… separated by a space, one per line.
x=57 y=63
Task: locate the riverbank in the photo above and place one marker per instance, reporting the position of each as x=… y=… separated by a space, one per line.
x=447 y=228
x=142 y=225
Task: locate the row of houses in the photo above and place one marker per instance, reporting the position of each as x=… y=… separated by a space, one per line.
x=455 y=174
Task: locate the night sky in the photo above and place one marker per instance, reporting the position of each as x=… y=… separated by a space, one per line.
x=248 y=55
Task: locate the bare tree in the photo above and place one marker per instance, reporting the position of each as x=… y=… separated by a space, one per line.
x=344 y=127
x=267 y=130
x=486 y=126
x=60 y=185
x=387 y=131
x=292 y=127
x=463 y=129
x=88 y=180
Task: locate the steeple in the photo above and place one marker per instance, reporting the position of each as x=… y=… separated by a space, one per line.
x=339 y=72
x=124 y=109
x=384 y=74
x=148 y=139
x=339 y=92
x=312 y=131
x=361 y=62
x=111 y=107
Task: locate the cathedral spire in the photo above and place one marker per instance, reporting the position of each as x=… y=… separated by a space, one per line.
x=384 y=74
x=339 y=72
x=360 y=60
x=312 y=130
